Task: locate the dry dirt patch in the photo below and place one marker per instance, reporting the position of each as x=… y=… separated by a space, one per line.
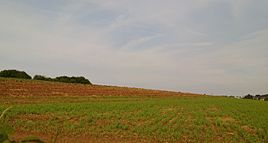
x=81 y=138
x=35 y=117
x=248 y=129
x=13 y=87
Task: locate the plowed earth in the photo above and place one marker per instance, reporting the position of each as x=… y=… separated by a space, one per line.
x=15 y=87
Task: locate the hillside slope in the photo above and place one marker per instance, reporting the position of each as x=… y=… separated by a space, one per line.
x=18 y=87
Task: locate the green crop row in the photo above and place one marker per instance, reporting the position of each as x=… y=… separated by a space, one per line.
x=183 y=119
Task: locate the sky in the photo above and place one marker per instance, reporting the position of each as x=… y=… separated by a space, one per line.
x=217 y=47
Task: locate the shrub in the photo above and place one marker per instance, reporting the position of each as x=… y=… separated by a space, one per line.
x=41 y=77
x=15 y=74
x=65 y=79
x=72 y=79
x=248 y=96
x=62 y=79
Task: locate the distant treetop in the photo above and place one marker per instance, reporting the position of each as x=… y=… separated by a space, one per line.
x=14 y=74
x=24 y=75
x=65 y=79
x=72 y=79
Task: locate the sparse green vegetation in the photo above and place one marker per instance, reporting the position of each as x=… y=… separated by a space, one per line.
x=45 y=110
x=5 y=128
x=174 y=119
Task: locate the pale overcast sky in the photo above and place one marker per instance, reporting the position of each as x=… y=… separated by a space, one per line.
x=202 y=46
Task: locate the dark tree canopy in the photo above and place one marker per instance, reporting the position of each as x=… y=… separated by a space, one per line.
x=41 y=77
x=65 y=79
x=257 y=97
x=249 y=96
x=15 y=74
x=72 y=79
x=24 y=75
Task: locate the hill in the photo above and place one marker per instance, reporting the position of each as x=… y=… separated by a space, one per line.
x=20 y=87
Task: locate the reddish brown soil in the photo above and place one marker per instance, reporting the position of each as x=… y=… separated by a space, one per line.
x=82 y=138
x=15 y=87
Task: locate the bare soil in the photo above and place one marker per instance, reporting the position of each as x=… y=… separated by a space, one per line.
x=15 y=87
x=82 y=138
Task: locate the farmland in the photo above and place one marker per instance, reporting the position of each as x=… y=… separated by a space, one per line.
x=20 y=87
x=165 y=117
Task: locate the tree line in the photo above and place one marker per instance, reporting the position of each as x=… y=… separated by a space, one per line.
x=24 y=75
x=257 y=97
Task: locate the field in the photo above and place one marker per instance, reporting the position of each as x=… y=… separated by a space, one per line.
x=133 y=118
x=16 y=87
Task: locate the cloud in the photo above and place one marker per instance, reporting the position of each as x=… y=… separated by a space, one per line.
x=203 y=46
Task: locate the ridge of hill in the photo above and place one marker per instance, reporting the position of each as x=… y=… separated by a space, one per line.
x=21 y=87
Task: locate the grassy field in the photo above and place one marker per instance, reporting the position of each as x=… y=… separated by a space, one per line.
x=138 y=119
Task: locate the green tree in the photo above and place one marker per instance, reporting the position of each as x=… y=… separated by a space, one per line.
x=15 y=74
x=41 y=77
